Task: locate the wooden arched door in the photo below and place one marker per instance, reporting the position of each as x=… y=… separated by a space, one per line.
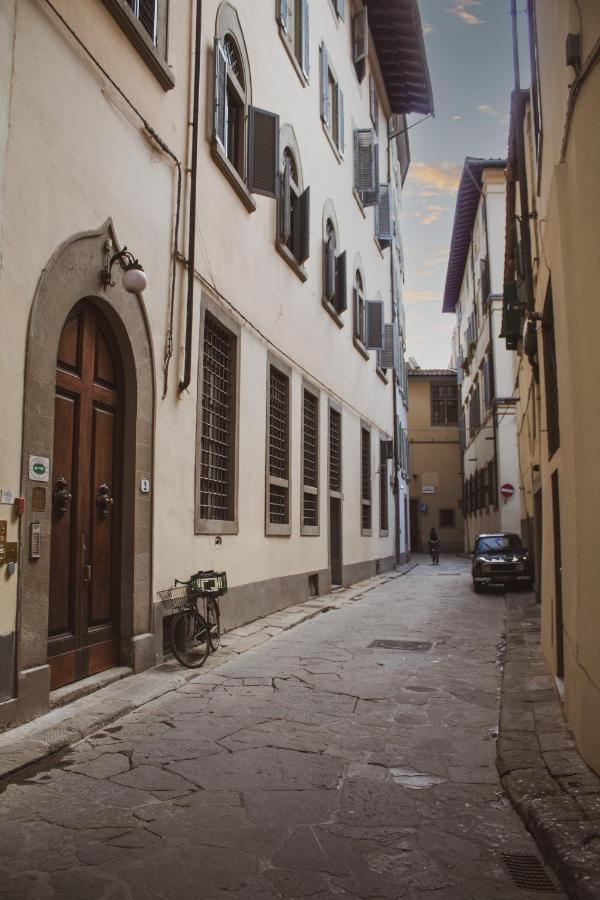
x=85 y=564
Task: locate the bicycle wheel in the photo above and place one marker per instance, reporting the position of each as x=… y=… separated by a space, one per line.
x=190 y=639
x=213 y=617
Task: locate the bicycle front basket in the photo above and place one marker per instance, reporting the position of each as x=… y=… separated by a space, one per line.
x=175 y=597
x=215 y=583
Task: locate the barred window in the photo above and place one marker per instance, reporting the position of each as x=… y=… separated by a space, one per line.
x=217 y=428
x=365 y=479
x=383 y=490
x=444 y=404
x=310 y=462
x=335 y=451
x=550 y=375
x=278 y=512
x=447 y=519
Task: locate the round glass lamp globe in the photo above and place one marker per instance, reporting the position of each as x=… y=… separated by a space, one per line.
x=135 y=281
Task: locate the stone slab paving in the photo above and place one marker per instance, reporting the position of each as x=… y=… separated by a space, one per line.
x=556 y=794
x=311 y=766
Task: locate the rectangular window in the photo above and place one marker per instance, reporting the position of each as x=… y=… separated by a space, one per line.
x=365 y=480
x=278 y=467
x=444 y=404
x=310 y=463
x=216 y=477
x=335 y=452
x=447 y=519
x=383 y=488
x=145 y=24
x=332 y=102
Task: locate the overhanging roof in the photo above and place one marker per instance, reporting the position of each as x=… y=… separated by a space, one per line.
x=467 y=202
x=396 y=29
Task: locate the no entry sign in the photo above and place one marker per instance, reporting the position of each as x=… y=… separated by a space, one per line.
x=507 y=490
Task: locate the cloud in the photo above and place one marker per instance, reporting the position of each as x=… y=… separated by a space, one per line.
x=487 y=110
x=427 y=28
x=461 y=9
x=423 y=296
x=456 y=118
x=439 y=178
x=433 y=214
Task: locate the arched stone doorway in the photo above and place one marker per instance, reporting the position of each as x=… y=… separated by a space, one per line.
x=70 y=284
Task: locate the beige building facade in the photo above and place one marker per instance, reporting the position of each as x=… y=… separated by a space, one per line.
x=243 y=411
x=436 y=482
x=473 y=293
x=551 y=321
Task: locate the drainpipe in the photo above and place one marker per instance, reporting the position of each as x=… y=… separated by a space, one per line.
x=189 y=315
x=394 y=389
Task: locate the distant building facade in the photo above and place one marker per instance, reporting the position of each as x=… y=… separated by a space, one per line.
x=473 y=293
x=435 y=459
x=551 y=325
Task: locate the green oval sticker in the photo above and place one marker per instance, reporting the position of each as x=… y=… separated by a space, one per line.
x=39 y=468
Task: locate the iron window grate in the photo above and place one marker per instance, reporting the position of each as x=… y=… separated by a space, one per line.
x=278 y=505
x=278 y=424
x=311 y=440
x=383 y=494
x=311 y=510
x=551 y=374
x=528 y=873
x=385 y=644
x=335 y=451
x=365 y=469
x=218 y=378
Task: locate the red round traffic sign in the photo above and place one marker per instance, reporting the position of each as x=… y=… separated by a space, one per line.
x=507 y=490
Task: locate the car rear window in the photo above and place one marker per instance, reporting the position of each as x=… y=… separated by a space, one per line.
x=499 y=542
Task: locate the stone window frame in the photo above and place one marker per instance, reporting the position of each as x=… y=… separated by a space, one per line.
x=383 y=486
x=288 y=141
x=154 y=55
x=358 y=341
x=310 y=530
x=273 y=529
x=210 y=304
x=365 y=428
x=329 y=215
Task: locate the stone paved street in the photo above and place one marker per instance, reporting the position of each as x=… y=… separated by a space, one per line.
x=311 y=766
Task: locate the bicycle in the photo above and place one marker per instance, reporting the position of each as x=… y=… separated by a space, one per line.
x=434 y=551
x=193 y=635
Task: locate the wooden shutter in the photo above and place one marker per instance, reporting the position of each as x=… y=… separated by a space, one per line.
x=364 y=160
x=388 y=449
x=304 y=248
x=374 y=325
x=286 y=205
x=324 y=60
x=330 y=270
x=282 y=14
x=220 y=98
x=384 y=225
x=340 y=7
x=263 y=151
x=305 y=37
x=340 y=106
x=355 y=311
x=360 y=36
x=388 y=358
x=341 y=302
x=371 y=198
x=373 y=103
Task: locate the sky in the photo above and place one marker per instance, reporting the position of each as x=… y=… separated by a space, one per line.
x=469 y=51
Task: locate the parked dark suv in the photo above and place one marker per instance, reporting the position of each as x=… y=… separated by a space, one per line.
x=500 y=559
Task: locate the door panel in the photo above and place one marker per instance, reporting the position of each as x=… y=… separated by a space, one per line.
x=335 y=539
x=83 y=633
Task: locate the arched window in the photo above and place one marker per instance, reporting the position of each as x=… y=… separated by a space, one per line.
x=359 y=307
x=245 y=138
x=293 y=236
x=334 y=265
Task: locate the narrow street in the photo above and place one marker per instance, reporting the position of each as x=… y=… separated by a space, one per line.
x=315 y=765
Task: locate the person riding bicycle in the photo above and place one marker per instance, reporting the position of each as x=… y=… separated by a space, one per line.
x=434 y=546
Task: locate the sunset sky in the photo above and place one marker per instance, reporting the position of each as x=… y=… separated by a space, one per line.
x=469 y=52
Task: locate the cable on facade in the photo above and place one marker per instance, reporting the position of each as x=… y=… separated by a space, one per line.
x=152 y=133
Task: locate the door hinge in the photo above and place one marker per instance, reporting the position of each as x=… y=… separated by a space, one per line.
x=87 y=573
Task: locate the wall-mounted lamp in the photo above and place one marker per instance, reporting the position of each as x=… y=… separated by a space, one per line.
x=135 y=279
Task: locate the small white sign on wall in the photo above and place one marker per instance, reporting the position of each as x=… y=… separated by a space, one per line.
x=39 y=468
x=428 y=489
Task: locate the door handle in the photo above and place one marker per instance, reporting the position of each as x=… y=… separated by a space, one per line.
x=104 y=502
x=86 y=569
x=60 y=497
x=87 y=573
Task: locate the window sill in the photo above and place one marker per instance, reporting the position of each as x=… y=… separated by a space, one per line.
x=366 y=532
x=310 y=530
x=125 y=18
x=291 y=260
x=233 y=177
x=382 y=375
x=216 y=526
x=332 y=143
x=293 y=59
x=332 y=312
x=277 y=530
x=360 y=347
x=359 y=203
x=384 y=533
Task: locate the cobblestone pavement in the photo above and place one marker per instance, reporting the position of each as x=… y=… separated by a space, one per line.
x=315 y=765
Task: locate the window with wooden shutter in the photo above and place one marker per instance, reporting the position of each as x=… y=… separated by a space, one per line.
x=365 y=152
x=365 y=480
x=444 y=404
x=340 y=8
x=340 y=138
x=374 y=324
x=230 y=103
x=340 y=301
x=335 y=452
x=278 y=468
x=293 y=18
x=360 y=42
x=373 y=103
x=220 y=96
x=263 y=151
x=305 y=38
x=329 y=262
x=383 y=488
x=146 y=11
x=324 y=72
x=388 y=356
x=304 y=245
x=217 y=416
x=359 y=308
x=384 y=217
x=310 y=463
x=332 y=103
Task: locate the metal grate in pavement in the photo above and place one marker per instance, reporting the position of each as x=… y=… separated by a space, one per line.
x=527 y=873
x=401 y=645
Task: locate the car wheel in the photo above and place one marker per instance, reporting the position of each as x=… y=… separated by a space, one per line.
x=477 y=587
